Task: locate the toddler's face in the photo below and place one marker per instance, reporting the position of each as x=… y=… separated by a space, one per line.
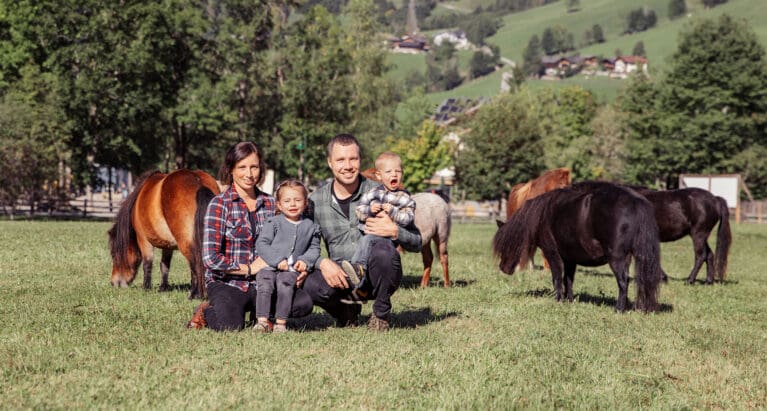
x=390 y=174
x=291 y=203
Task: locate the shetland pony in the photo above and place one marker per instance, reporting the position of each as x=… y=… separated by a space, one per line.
x=164 y=211
x=607 y=224
x=432 y=218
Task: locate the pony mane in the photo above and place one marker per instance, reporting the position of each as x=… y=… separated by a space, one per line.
x=122 y=235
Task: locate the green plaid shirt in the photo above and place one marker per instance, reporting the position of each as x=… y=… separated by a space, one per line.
x=341 y=234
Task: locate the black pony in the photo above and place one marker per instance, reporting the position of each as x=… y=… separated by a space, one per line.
x=604 y=224
x=693 y=212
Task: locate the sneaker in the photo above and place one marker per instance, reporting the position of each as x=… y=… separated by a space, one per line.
x=352 y=273
x=263 y=328
x=376 y=323
x=198 y=319
x=280 y=328
x=353 y=298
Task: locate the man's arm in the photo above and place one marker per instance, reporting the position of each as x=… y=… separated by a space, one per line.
x=383 y=226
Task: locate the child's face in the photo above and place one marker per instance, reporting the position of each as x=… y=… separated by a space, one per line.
x=390 y=174
x=291 y=203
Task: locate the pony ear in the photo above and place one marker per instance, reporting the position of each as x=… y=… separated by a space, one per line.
x=499 y=223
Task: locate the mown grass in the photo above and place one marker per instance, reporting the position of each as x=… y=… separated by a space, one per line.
x=70 y=340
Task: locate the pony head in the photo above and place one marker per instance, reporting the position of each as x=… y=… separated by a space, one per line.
x=510 y=252
x=126 y=256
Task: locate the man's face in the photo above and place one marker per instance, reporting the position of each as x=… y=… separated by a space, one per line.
x=344 y=162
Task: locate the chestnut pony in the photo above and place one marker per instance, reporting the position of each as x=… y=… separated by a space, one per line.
x=164 y=211
x=432 y=218
x=549 y=180
x=590 y=226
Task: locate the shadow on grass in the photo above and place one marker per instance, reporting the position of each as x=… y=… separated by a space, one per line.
x=411 y=281
x=404 y=319
x=598 y=300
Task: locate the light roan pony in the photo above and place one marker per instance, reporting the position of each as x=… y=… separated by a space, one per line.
x=432 y=218
x=164 y=211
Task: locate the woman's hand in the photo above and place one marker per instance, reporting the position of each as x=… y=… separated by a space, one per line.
x=257 y=265
x=333 y=274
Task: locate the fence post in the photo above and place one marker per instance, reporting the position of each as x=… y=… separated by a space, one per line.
x=85 y=206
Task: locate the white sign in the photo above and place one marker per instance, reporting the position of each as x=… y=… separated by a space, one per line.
x=726 y=186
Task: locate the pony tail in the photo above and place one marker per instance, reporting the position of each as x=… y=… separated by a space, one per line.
x=723 y=240
x=122 y=235
x=515 y=239
x=203 y=197
x=647 y=259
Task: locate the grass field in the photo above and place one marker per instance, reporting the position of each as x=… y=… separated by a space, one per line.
x=71 y=341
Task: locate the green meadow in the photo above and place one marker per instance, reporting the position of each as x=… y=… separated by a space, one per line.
x=71 y=341
x=660 y=42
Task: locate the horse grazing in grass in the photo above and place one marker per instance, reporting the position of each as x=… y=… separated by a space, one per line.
x=549 y=180
x=607 y=224
x=693 y=212
x=164 y=211
x=432 y=218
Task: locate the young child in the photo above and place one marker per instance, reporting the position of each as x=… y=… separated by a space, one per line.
x=390 y=198
x=290 y=244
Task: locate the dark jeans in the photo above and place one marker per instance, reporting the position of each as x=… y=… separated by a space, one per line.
x=384 y=277
x=285 y=283
x=228 y=306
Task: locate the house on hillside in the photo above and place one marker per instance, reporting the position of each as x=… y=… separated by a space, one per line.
x=630 y=64
x=457 y=37
x=411 y=44
x=452 y=109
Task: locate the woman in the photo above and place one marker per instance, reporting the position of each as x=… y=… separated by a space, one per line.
x=232 y=223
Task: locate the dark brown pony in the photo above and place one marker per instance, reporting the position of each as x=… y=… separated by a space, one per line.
x=164 y=211
x=549 y=180
x=606 y=224
x=432 y=218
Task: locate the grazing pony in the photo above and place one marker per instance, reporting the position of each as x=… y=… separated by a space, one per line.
x=432 y=218
x=164 y=211
x=549 y=180
x=694 y=212
x=607 y=224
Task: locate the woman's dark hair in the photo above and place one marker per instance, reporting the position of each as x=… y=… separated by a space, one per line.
x=234 y=155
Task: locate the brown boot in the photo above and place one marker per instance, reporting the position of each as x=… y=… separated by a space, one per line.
x=198 y=319
x=378 y=323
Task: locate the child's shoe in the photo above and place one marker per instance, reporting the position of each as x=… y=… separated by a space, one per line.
x=263 y=327
x=355 y=272
x=280 y=328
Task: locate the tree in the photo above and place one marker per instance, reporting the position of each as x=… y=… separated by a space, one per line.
x=442 y=68
x=639 y=49
x=608 y=144
x=480 y=26
x=713 y=3
x=676 y=9
x=422 y=154
x=715 y=94
x=549 y=42
x=484 y=61
x=573 y=6
x=597 y=34
x=531 y=57
x=641 y=19
x=503 y=148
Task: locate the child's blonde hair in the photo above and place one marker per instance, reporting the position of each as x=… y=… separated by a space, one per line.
x=386 y=155
x=290 y=183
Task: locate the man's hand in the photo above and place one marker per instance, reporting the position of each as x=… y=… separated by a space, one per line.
x=299 y=266
x=333 y=274
x=301 y=277
x=382 y=226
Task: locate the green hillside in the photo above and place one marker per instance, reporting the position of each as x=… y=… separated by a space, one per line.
x=660 y=42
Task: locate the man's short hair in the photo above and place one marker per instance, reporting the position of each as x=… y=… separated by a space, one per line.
x=343 y=139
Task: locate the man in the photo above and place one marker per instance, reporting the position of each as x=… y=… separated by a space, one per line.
x=332 y=206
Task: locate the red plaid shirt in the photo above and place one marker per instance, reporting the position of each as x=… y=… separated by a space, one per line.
x=228 y=237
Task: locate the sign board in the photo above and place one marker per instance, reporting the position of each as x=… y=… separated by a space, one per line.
x=726 y=186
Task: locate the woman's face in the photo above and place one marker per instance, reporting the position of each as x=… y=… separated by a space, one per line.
x=246 y=172
x=292 y=202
